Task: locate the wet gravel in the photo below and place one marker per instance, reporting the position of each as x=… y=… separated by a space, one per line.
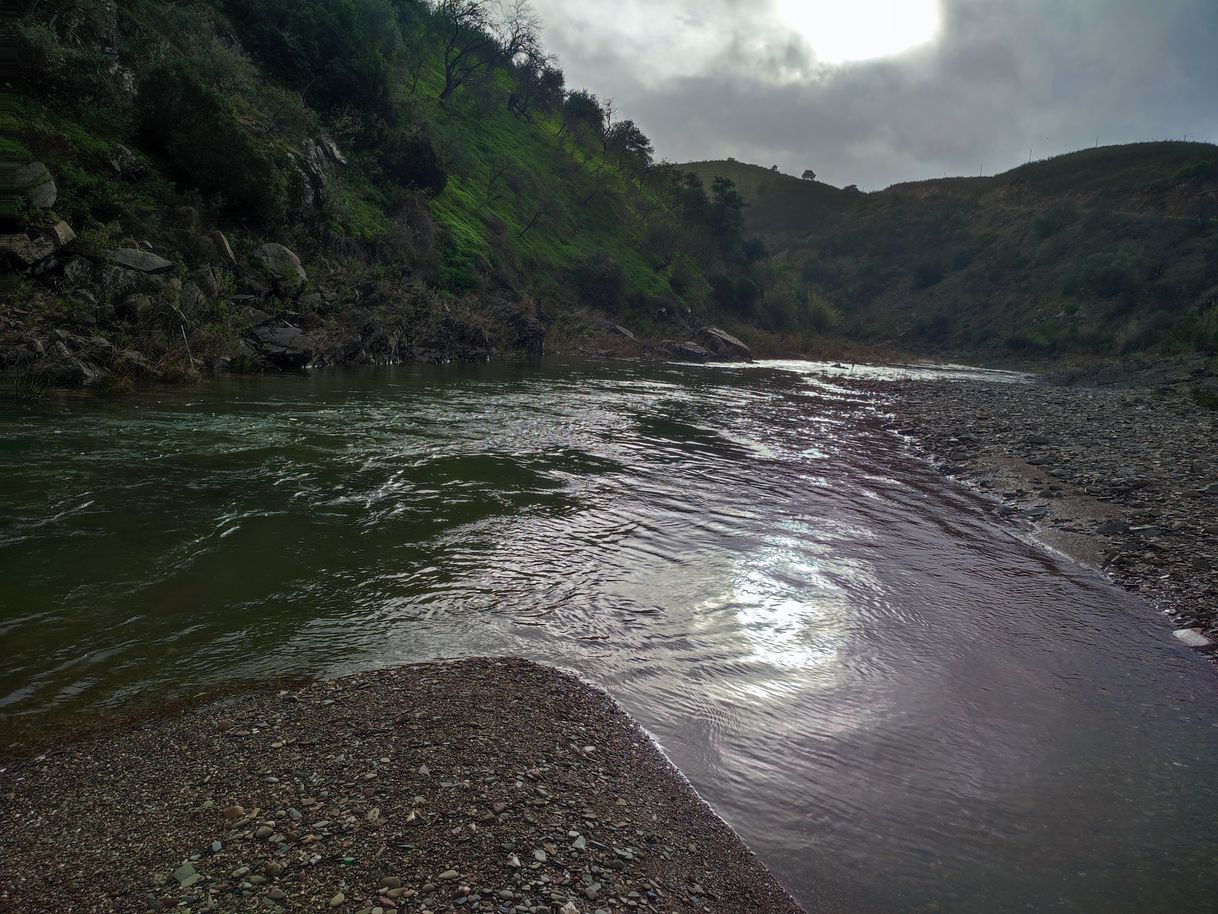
x=491 y=785
x=1125 y=479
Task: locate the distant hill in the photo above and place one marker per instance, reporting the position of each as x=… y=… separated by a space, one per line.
x=778 y=203
x=1108 y=250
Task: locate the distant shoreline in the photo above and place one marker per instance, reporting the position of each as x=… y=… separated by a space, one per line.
x=1123 y=479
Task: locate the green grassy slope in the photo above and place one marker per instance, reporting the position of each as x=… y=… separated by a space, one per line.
x=777 y=203
x=1103 y=251
x=163 y=122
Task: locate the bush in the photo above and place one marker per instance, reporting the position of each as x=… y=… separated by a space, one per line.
x=208 y=149
x=410 y=159
x=927 y=274
x=1105 y=276
x=337 y=53
x=599 y=279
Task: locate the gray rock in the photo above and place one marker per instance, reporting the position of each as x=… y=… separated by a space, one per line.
x=286 y=344
x=34 y=182
x=1193 y=637
x=194 y=301
x=140 y=261
x=28 y=252
x=184 y=872
x=281 y=266
x=61 y=234
x=690 y=352
x=255 y=316
x=723 y=343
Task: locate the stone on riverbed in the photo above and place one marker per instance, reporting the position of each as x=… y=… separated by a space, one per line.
x=1193 y=637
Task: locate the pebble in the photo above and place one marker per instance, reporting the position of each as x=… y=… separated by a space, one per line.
x=448 y=875
x=263 y=832
x=337 y=900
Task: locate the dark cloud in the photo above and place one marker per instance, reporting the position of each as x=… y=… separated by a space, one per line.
x=716 y=78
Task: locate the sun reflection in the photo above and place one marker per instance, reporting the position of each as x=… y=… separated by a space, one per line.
x=792 y=618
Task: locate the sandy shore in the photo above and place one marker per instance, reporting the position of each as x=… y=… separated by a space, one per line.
x=481 y=785
x=1122 y=479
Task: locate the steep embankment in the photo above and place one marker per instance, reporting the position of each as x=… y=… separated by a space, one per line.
x=1107 y=251
x=239 y=184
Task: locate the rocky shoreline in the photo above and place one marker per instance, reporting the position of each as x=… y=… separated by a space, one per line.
x=492 y=785
x=1121 y=478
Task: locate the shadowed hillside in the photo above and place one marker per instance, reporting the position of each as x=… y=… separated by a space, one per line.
x=1106 y=251
x=243 y=184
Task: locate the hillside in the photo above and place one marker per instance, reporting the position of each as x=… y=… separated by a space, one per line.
x=240 y=185
x=1104 y=251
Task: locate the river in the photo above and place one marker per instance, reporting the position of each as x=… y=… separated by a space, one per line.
x=899 y=700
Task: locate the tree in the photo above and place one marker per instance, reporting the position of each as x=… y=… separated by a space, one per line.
x=809 y=175
x=629 y=145
x=726 y=210
x=582 y=109
x=479 y=34
x=539 y=85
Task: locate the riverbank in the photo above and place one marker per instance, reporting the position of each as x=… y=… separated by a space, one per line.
x=1122 y=478
x=481 y=785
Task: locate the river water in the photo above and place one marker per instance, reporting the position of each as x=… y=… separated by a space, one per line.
x=899 y=702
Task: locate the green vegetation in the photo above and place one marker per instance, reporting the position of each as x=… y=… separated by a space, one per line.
x=1106 y=251
x=427 y=150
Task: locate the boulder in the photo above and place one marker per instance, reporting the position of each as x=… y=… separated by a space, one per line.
x=194 y=302
x=135 y=307
x=1193 y=637
x=28 y=252
x=286 y=346
x=35 y=250
x=321 y=161
x=61 y=233
x=723 y=343
x=126 y=163
x=34 y=182
x=140 y=261
x=255 y=316
x=690 y=351
x=281 y=266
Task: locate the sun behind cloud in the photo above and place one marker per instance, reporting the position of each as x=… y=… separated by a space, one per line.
x=841 y=31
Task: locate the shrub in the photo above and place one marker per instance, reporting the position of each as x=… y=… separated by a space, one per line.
x=207 y=148
x=928 y=273
x=410 y=159
x=336 y=52
x=1105 y=276
x=599 y=279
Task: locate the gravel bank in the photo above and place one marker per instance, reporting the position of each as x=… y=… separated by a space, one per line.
x=482 y=785
x=1123 y=479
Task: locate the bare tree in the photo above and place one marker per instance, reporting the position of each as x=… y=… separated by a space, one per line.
x=546 y=207
x=478 y=34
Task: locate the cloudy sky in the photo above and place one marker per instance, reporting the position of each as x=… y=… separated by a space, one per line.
x=878 y=91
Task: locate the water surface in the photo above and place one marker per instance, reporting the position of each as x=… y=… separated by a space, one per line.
x=899 y=704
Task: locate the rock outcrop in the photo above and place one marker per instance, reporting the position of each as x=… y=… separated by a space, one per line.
x=723 y=344
x=282 y=267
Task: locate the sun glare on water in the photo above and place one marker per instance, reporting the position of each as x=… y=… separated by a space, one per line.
x=840 y=31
